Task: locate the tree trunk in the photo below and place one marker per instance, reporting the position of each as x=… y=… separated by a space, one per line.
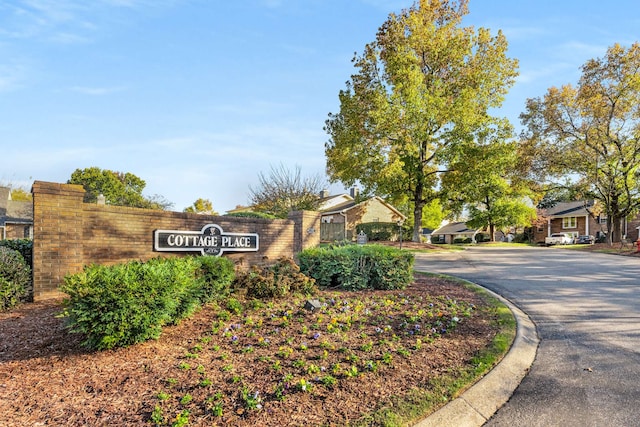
x=417 y=222
x=418 y=204
x=616 y=229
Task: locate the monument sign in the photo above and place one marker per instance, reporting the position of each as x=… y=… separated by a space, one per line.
x=211 y=240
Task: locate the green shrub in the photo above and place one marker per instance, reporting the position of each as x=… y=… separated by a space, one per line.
x=23 y=246
x=275 y=281
x=120 y=305
x=521 y=238
x=459 y=240
x=15 y=278
x=358 y=267
x=384 y=231
x=217 y=273
x=260 y=215
x=482 y=237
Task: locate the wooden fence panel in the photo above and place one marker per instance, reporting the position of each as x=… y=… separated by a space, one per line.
x=331 y=232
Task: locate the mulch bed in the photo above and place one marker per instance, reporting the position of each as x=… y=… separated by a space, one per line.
x=48 y=379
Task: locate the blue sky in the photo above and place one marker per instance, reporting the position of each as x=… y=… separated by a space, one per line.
x=197 y=97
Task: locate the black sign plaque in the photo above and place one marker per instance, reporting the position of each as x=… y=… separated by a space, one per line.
x=211 y=240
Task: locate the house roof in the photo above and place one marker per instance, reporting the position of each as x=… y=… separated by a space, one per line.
x=454 y=228
x=13 y=211
x=564 y=209
x=332 y=202
x=350 y=204
x=338 y=203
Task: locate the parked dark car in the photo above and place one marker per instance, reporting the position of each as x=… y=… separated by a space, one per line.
x=585 y=240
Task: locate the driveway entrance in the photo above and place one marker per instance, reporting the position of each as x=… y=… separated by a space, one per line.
x=587 y=311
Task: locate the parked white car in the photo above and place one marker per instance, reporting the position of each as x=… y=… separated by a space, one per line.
x=558 y=239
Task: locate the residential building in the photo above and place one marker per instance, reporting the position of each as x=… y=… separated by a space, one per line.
x=340 y=214
x=575 y=218
x=16 y=217
x=454 y=231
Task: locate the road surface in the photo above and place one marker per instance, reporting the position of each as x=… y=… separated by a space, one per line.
x=586 y=308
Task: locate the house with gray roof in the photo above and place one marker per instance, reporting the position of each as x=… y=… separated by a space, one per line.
x=576 y=218
x=16 y=217
x=451 y=232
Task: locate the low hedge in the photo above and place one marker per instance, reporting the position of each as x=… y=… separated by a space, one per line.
x=120 y=305
x=15 y=278
x=23 y=246
x=251 y=215
x=384 y=231
x=357 y=267
x=460 y=240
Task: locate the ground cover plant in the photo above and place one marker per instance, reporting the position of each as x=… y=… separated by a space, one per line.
x=352 y=360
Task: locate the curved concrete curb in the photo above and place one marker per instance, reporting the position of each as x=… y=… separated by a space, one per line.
x=476 y=405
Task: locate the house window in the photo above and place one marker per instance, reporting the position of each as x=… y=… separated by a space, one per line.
x=569 y=222
x=602 y=219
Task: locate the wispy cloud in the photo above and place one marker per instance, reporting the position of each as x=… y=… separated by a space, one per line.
x=61 y=21
x=64 y=21
x=575 y=49
x=517 y=33
x=11 y=76
x=97 y=91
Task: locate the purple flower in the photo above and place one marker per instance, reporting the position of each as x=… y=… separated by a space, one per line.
x=316 y=335
x=234 y=338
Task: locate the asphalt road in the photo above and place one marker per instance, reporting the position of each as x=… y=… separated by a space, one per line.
x=586 y=308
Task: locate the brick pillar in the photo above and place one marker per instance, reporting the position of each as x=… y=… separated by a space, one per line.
x=306 y=231
x=57 y=236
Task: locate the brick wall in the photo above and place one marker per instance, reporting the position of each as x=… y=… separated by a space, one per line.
x=69 y=234
x=15 y=231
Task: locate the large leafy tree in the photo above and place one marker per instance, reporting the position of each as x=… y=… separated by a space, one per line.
x=118 y=188
x=591 y=133
x=284 y=190
x=201 y=206
x=422 y=92
x=20 y=195
x=484 y=183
